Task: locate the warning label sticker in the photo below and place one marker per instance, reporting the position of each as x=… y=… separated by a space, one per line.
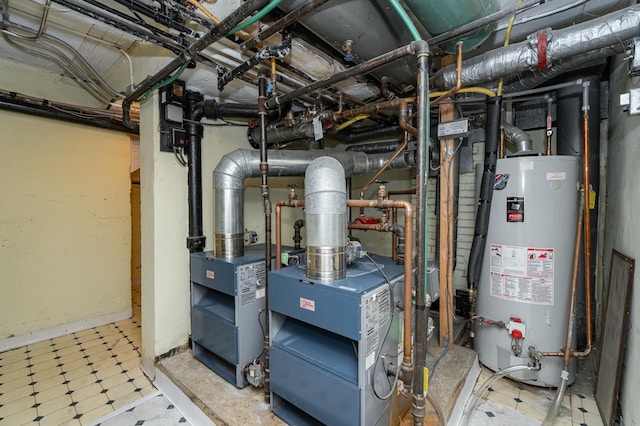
x=522 y=274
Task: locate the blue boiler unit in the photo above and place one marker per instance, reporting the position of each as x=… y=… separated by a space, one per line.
x=333 y=344
x=228 y=311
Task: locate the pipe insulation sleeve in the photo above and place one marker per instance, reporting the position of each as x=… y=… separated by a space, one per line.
x=600 y=33
x=492 y=135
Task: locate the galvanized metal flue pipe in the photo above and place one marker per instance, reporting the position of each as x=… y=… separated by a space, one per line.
x=284 y=22
x=410 y=49
x=216 y=33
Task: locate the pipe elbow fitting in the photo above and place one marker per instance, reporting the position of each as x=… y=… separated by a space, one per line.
x=406 y=374
x=420 y=47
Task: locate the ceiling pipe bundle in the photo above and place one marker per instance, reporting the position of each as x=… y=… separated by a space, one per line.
x=544 y=48
x=188 y=54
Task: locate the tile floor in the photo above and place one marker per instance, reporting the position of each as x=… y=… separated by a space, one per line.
x=153 y=410
x=74 y=379
x=508 y=402
x=94 y=376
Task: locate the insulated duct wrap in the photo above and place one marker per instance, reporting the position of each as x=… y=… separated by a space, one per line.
x=235 y=167
x=516 y=58
x=325 y=201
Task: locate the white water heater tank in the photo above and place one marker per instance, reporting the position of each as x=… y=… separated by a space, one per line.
x=526 y=271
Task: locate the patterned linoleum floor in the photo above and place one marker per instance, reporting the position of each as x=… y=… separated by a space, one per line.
x=508 y=402
x=74 y=379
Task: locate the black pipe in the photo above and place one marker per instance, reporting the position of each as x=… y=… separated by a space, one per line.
x=263 y=81
x=297 y=238
x=492 y=136
x=375 y=148
x=45 y=110
x=215 y=110
x=421 y=309
x=157 y=15
x=138 y=21
x=267 y=52
x=363 y=135
x=280 y=134
x=215 y=34
x=121 y=25
x=194 y=130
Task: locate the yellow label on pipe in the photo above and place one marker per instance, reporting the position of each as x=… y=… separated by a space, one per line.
x=426 y=381
x=592 y=198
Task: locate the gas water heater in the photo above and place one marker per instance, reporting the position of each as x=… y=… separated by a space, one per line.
x=524 y=290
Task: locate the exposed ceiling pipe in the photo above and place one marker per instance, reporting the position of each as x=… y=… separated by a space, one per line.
x=543 y=48
x=235 y=167
x=412 y=48
x=263 y=54
x=282 y=23
x=530 y=79
x=216 y=33
x=127 y=27
x=479 y=23
x=70 y=114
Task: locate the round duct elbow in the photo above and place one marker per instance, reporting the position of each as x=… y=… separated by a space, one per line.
x=325 y=203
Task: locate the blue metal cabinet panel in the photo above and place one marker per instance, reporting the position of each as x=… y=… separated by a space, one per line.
x=215 y=334
x=213 y=273
x=287 y=295
x=323 y=395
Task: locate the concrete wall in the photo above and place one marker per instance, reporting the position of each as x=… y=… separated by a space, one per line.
x=65 y=227
x=622 y=231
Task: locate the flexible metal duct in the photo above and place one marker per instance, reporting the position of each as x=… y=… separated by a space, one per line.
x=598 y=33
x=235 y=167
x=325 y=201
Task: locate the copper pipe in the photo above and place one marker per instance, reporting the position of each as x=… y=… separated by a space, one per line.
x=501 y=146
x=458 y=85
x=572 y=300
x=586 y=229
x=375 y=177
x=408 y=262
x=394 y=237
x=587 y=218
x=400 y=103
x=408 y=259
x=279 y=205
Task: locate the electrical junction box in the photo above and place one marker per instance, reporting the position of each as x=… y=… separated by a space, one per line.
x=228 y=311
x=332 y=344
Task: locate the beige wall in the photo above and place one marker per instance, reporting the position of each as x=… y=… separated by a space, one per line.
x=65 y=223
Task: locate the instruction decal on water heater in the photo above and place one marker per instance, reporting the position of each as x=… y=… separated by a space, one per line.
x=522 y=274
